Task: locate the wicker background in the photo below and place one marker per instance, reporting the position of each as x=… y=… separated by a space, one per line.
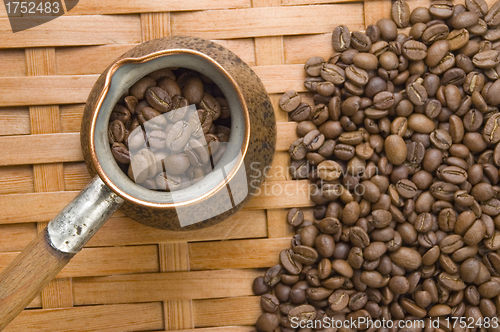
x=131 y=277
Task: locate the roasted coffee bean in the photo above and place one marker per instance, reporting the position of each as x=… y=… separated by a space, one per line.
x=480 y=7
x=313 y=66
x=211 y=105
x=441 y=9
x=120 y=113
x=117 y=132
x=406 y=188
x=486 y=59
x=329 y=170
x=400 y=13
x=313 y=140
x=289 y=101
x=366 y=61
x=434 y=33
x=170 y=86
x=464 y=20
x=414 y=50
x=388 y=29
x=396 y=149
x=417 y=94
x=120 y=152
x=298 y=150
x=491 y=132
x=338 y=300
x=157 y=140
x=341 y=38
x=269 y=303
x=193 y=90
x=360 y=41
x=139 y=89
x=159 y=99
x=357 y=75
x=359 y=237
x=492 y=17
x=333 y=73
x=259 y=287
x=295 y=217
x=267 y=322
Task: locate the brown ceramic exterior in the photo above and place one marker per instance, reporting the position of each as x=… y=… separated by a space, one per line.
x=261 y=131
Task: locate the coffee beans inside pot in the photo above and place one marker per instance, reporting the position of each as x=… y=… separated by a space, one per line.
x=170 y=129
x=404 y=172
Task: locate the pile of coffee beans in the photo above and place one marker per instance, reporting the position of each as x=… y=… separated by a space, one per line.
x=402 y=149
x=170 y=129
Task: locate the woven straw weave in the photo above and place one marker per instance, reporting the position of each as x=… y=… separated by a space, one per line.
x=131 y=277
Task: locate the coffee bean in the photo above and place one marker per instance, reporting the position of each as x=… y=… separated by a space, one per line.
x=267 y=322
x=480 y=7
x=139 y=89
x=406 y=188
x=289 y=101
x=396 y=149
x=269 y=303
x=360 y=41
x=400 y=13
x=211 y=105
x=388 y=29
x=414 y=50
x=325 y=245
x=341 y=38
x=259 y=287
x=458 y=39
x=338 y=300
x=492 y=17
x=117 y=132
x=193 y=90
x=359 y=237
x=434 y=33
x=170 y=86
x=432 y=208
x=374 y=250
x=295 y=217
x=313 y=65
x=159 y=99
x=491 y=132
x=176 y=164
x=333 y=73
x=406 y=257
x=464 y=20
x=329 y=170
x=441 y=9
x=156 y=139
x=357 y=75
x=178 y=136
x=416 y=94
x=486 y=59
x=366 y=61
x=298 y=150
x=120 y=153
x=451 y=281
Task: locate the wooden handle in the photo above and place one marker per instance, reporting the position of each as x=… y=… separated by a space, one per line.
x=27 y=275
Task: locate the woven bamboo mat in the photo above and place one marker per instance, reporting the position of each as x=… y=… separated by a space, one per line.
x=131 y=277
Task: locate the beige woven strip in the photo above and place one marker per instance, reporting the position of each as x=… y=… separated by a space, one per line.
x=47 y=177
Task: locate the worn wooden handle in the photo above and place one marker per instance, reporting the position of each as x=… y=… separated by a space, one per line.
x=27 y=275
